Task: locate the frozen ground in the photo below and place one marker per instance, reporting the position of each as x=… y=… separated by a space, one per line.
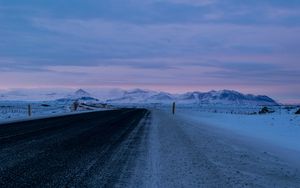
x=183 y=153
x=18 y=110
x=280 y=129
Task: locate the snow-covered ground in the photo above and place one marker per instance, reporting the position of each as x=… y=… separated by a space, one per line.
x=280 y=129
x=18 y=110
x=180 y=152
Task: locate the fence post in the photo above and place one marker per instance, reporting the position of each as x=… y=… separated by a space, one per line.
x=76 y=105
x=29 y=110
x=173 y=108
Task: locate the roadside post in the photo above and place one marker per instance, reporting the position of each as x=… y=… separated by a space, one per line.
x=76 y=105
x=29 y=110
x=173 y=108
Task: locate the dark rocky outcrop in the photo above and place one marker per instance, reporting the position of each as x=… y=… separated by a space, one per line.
x=266 y=110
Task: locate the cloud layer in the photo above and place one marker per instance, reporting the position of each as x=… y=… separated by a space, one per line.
x=252 y=46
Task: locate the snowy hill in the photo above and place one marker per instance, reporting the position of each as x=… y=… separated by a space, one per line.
x=133 y=96
x=32 y=94
x=139 y=96
x=45 y=95
x=80 y=95
x=162 y=96
x=225 y=97
x=228 y=97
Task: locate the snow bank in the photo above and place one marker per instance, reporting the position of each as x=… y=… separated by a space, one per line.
x=280 y=129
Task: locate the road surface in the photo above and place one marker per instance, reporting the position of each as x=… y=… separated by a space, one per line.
x=84 y=150
x=133 y=148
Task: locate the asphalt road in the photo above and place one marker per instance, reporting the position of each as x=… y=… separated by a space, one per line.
x=95 y=149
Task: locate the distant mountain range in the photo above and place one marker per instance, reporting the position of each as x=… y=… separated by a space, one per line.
x=212 y=97
x=139 y=96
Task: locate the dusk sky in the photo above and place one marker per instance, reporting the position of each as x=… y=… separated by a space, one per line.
x=171 y=45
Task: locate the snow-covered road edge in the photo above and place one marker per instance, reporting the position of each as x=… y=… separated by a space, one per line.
x=37 y=117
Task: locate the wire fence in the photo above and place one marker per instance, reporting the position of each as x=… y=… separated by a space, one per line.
x=23 y=109
x=230 y=109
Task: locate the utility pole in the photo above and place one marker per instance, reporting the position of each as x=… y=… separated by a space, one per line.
x=173 y=108
x=29 y=110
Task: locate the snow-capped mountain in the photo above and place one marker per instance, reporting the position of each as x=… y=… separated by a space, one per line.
x=133 y=96
x=228 y=97
x=80 y=95
x=118 y=96
x=32 y=94
x=233 y=97
x=162 y=96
